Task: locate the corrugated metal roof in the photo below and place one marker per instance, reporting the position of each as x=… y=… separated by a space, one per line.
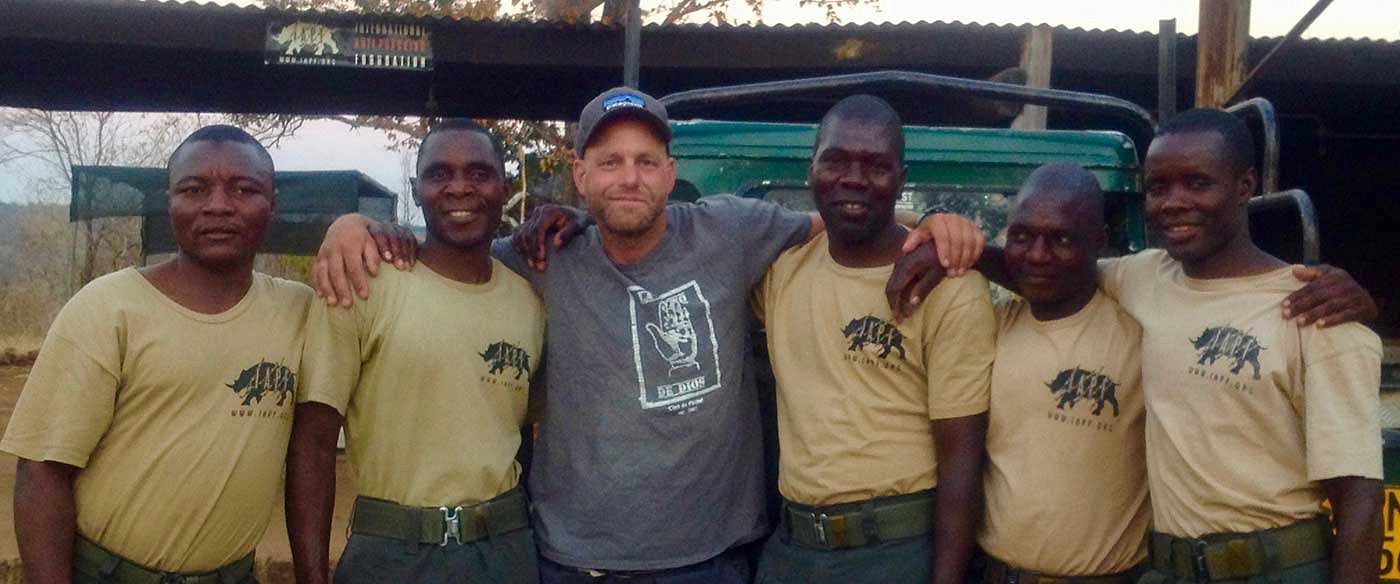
x=746 y=27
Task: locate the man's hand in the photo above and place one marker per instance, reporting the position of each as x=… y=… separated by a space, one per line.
x=958 y=239
x=351 y=252
x=548 y=224
x=1330 y=298
x=914 y=275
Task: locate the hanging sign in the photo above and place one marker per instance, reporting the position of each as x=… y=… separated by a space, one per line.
x=368 y=45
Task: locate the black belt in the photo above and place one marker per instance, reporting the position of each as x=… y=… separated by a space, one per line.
x=462 y=524
x=862 y=523
x=119 y=570
x=1235 y=556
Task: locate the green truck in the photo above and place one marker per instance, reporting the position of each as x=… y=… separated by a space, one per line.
x=977 y=171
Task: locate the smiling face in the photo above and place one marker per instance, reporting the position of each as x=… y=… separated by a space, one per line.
x=624 y=177
x=461 y=188
x=1196 y=197
x=856 y=176
x=1051 y=247
x=221 y=201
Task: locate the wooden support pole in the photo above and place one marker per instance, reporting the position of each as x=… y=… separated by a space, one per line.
x=1220 y=50
x=1037 y=50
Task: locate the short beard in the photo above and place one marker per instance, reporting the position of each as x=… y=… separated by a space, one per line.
x=628 y=226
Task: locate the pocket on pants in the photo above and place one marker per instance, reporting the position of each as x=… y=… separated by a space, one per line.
x=514 y=558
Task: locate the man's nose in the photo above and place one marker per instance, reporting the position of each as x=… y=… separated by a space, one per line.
x=220 y=200
x=857 y=173
x=1039 y=251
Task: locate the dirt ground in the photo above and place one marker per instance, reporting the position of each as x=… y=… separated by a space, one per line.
x=274 y=555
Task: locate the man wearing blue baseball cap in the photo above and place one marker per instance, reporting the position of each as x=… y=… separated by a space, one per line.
x=649 y=462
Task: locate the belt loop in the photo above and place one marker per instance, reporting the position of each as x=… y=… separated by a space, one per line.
x=482 y=516
x=869 y=523
x=1199 y=563
x=819 y=520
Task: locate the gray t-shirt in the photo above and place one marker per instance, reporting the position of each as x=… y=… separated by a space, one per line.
x=650 y=451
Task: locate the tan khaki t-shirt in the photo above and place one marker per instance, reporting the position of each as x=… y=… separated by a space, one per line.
x=178 y=420
x=1245 y=410
x=856 y=391
x=1066 y=483
x=433 y=377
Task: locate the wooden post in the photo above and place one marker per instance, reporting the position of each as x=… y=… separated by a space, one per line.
x=1220 y=50
x=1037 y=50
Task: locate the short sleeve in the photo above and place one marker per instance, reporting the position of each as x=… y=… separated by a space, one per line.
x=1131 y=280
x=1341 y=381
x=959 y=353
x=332 y=356
x=757 y=230
x=67 y=403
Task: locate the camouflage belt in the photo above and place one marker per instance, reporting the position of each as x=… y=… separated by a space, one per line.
x=1234 y=556
x=999 y=572
x=861 y=523
x=107 y=566
x=462 y=524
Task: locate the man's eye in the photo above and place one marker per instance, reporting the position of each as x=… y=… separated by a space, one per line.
x=1064 y=241
x=1017 y=237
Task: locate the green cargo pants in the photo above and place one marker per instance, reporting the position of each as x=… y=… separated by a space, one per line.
x=508 y=558
x=907 y=560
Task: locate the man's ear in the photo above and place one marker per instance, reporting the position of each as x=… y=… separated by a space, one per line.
x=413 y=191
x=273 y=200
x=1248 y=184
x=579 y=172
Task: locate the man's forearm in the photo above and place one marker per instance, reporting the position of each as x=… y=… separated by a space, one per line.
x=959 y=495
x=1356 y=509
x=310 y=489
x=992 y=264
x=46 y=520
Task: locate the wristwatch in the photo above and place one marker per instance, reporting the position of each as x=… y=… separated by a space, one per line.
x=934 y=209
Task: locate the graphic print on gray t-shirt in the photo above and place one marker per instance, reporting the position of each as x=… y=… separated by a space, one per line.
x=650 y=453
x=682 y=343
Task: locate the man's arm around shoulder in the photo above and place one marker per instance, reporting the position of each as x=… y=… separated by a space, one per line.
x=46 y=520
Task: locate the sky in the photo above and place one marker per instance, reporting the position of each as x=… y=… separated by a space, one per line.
x=328 y=145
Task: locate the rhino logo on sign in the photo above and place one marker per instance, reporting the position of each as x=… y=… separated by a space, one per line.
x=259 y=380
x=1224 y=341
x=868 y=330
x=502 y=355
x=307 y=35
x=1075 y=384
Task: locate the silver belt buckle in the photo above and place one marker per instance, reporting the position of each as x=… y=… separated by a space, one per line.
x=451 y=524
x=821 y=528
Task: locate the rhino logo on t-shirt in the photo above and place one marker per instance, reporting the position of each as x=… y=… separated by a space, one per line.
x=1075 y=384
x=868 y=330
x=259 y=380
x=1225 y=341
x=501 y=355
